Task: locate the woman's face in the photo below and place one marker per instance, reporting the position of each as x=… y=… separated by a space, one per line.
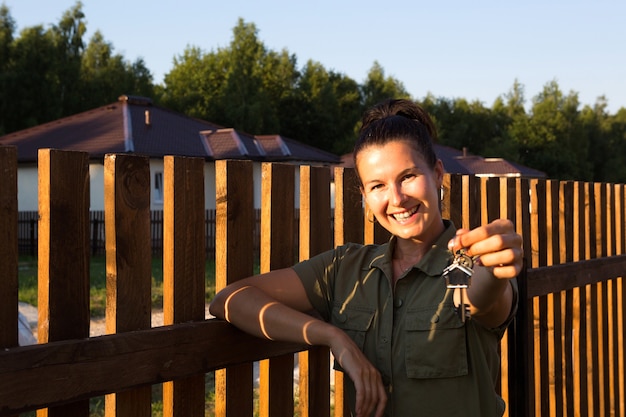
x=401 y=190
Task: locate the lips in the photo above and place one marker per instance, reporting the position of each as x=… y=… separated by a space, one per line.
x=405 y=214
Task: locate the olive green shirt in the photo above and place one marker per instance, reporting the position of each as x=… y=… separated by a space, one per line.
x=431 y=363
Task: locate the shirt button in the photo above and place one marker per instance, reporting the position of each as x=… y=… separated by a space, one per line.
x=384 y=340
x=398 y=303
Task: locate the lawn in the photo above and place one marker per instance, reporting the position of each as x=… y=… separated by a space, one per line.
x=27 y=292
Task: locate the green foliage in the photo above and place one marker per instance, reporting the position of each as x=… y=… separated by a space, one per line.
x=50 y=73
x=46 y=74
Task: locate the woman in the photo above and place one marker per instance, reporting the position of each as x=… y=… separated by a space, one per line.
x=388 y=317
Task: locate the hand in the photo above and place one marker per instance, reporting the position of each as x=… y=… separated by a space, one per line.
x=370 y=392
x=497 y=245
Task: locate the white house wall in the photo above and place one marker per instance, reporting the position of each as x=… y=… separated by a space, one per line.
x=27 y=189
x=28 y=186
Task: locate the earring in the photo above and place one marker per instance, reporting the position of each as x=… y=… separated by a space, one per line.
x=441 y=193
x=369 y=216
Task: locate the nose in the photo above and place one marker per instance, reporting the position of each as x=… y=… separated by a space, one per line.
x=397 y=196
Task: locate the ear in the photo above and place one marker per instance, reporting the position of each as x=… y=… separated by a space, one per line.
x=439 y=171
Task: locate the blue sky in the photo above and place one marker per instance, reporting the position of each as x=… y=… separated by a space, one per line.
x=469 y=49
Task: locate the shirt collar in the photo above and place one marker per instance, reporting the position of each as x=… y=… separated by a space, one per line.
x=433 y=262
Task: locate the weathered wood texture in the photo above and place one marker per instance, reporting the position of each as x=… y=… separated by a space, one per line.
x=562 y=356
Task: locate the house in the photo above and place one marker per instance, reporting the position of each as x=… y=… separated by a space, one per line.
x=135 y=125
x=461 y=162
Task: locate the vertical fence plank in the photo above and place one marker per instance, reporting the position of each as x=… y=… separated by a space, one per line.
x=234 y=227
x=536 y=232
x=315 y=237
x=8 y=247
x=580 y=402
x=277 y=251
x=612 y=307
x=570 y=319
x=63 y=261
x=602 y=294
x=183 y=269
x=521 y=332
x=452 y=198
x=128 y=263
x=620 y=246
x=555 y=301
x=349 y=227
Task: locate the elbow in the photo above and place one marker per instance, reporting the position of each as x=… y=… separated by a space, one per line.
x=216 y=307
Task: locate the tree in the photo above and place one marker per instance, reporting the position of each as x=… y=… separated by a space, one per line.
x=7 y=75
x=378 y=87
x=69 y=46
x=104 y=75
x=239 y=86
x=33 y=94
x=552 y=141
x=323 y=110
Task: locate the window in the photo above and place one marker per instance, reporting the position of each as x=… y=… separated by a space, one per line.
x=158 y=187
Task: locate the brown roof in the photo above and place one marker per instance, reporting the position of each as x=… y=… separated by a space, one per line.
x=460 y=162
x=134 y=124
x=281 y=147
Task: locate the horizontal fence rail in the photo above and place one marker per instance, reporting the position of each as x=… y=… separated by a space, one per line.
x=562 y=356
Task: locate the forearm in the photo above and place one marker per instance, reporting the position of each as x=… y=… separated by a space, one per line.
x=490 y=298
x=251 y=310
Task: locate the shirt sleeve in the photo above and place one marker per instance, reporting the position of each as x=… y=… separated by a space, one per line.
x=317 y=276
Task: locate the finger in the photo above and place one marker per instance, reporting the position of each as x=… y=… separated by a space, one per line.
x=373 y=391
x=382 y=401
x=497 y=243
x=365 y=391
x=497 y=227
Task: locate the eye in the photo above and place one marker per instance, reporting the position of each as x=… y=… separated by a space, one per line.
x=408 y=177
x=375 y=187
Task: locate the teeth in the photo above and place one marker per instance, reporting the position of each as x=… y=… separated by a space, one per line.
x=405 y=215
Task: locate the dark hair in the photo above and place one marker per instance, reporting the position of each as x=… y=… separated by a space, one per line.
x=398 y=119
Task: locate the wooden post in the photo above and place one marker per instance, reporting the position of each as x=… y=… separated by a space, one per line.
x=349 y=227
x=277 y=251
x=63 y=261
x=521 y=331
x=234 y=226
x=128 y=264
x=315 y=237
x=8 y=247
x=183 y=270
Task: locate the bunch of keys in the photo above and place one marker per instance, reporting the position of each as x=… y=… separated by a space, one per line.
x=459 y=275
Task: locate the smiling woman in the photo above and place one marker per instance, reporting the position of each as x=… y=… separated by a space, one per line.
x=391 y=321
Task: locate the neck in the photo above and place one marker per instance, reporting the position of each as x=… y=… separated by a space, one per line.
x=412 y=250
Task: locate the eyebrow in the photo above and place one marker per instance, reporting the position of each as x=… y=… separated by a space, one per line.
x=412 y=169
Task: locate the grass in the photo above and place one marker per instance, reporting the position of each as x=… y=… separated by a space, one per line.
x=27 y=291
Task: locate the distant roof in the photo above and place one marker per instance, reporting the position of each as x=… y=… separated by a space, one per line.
x=134 y=125
x=461 y=162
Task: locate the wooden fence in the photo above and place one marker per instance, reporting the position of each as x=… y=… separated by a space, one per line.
x=563 y=355
x=28 y=225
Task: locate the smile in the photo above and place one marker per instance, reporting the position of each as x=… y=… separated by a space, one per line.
x=405 y=214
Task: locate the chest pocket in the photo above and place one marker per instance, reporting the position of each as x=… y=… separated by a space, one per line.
x=436 y=345
x=354 y=321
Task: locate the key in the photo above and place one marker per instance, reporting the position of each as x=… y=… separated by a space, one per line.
x=458 y=276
